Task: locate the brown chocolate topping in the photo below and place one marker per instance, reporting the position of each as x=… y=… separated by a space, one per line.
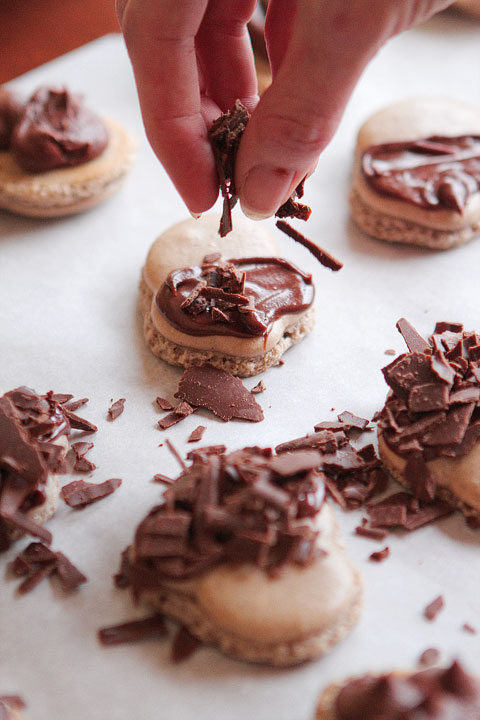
x=433 y=694
x=434 y=409
x=78 y=494
x=55 y=130
x=10 y=111
x=245 y=507
x=240 y=298
x=436 y=173
x=220 y=392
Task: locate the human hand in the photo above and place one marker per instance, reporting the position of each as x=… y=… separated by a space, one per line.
x=193 y=59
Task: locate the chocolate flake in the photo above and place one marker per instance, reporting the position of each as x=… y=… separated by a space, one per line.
x=431 y=656
x=415 y=342
x=116 y=409
x=321 y=255
x=69 y=576
x=380 y=555
x=73 y=405
x=163 y=479
x=197 y=434
x=175 y=453
x=219 y=391
x=38 y=562
x=259 y=387
x=78 y=423
x=184 y=645
x=369 y=532
x=434 y=608
x=78 y=494
x=179 y=413
x=163 y=403
x=469 y=629
x=148 y=628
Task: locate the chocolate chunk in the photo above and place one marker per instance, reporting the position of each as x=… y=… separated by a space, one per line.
x=184 y=645
x=38 y=562
x=79 y=423
x=196 y=434
x=321 y=255
x=259 y=387
x=420 y=478
x=116 y=409
x=18 y=453
x=73 y=405
x=148 y=628
x=369 y=532
x=353 y=421
x=220 y=392
x=431 y=656
x=83 y=464
x=469 y=629
x=163 y=403
x=35 y=578
x=442 y=327
x=406 y=371
x=78 y=494
x=433 y=608
x=81 y=448
x=415 y=342
x=428 y=396
x=380 y=555
x=179 y=413
x=163 y=479
x=69 y=576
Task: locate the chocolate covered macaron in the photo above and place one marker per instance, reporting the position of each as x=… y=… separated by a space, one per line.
x=429 y=429
x=245 y=553
x=57 y=157
x=231 y=302
x=433 y=694
x=416 y=178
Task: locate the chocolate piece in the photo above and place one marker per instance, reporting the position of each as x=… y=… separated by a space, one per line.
x=35 y=578
x=175 y=454
x=220 y=392
x=405 y=511
x=184 y=645
x=69 y=576
x=390 y=351
x=240 y=298
x=78 y=423
x=38 y=562
x=55 y=130
x=353 y=421
x=163 y=403
x=369 y=532
x=380 y=555
x=433 y=608
x=431 y=656
x=148 y=628
x=179 y=413
x=259 y=387
x=83 y=464
x=207 y=450
x=196 y=434
x=294 y=209
x=415 y=342
x=321 y=255
x=78 y=494
x=116 y=409
x=10 y=111
x=163 y=479
x=434 y=173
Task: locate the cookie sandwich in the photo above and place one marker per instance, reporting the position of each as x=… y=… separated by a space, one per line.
x=57 y=157
x=429 y=429
x=433 y=694
x=416 y=177
x=231 y=302
x=245 y=553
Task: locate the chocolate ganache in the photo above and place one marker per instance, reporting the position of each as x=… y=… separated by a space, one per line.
x=241 y=297
x=433 y=173
x=436 y=694
x=55 y=130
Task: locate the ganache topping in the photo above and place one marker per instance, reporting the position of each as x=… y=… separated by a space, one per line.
x=434 y=694
x=433 y=173
x=240 y=297
x=56 y=130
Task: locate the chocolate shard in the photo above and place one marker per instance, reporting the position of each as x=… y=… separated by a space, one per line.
x=220 y=392
x=420 y=478
x=115 y=410
x=415 y=342
x=184 y=645
x=78 y=494
x=69 y=576
x=434 y=608
x=318 y=253
x=197 y=434
x=163 y=403
x=79 y=423
x=149 y=628
x=380 y=555
x=18 y=453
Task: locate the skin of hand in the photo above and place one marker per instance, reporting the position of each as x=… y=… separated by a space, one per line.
x=192 y=59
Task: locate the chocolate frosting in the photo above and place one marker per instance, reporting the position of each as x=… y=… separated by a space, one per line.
x=10 y=110
x=55 y=130
x=433 y=173
x=436 y=694
x=241 y=298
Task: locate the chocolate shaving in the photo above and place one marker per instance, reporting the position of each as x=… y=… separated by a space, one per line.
x=259 y=387
x=163 y=403
x=148 y=628
x=369 y=532
x=73 y=405
x=197 y=434
x=184 y=645
x=175 y=454
x=469 y=629
x=433 y=608
x=218 y=391
x=431 y=656
x=207 y=450
x=321 y=255
x=78 y=423
x=163 y=479
x=116 y=409
x=179 y=413
x=415 y=342
x=38 y=562
x=78 y=494
x=83 y=464
x=380 y=555
x=69 y=577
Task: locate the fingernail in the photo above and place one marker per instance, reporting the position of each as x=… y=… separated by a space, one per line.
x=264 y=190
x=195 y=216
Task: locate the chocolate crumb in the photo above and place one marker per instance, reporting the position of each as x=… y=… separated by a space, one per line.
x=175 y=454
x=148 y=628
x=433 y=608
x=163 y=403
x=259 y=387
x=184 y=645
x=197 y=434
x=321 y=255
x=390 y=351
x=78 y=494
x=37 y=562
x=69 y=576
x=430 y=656
x=116 y=409
x=380 y=555
x=163 y=479
x=469 y=629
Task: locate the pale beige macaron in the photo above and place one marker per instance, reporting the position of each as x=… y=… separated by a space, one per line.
x=400 y=221
x=69 y=190
x=185 y=245
x=284 y=620
x=457 y=478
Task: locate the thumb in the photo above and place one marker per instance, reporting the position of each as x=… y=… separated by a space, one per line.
x=328 y=49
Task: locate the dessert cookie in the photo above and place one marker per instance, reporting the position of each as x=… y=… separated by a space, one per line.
x=429 y=429
x=238 y=311
x=433 y=694
x=417 y=173
x=60 y=157
x=245 y=552
x=33 y=445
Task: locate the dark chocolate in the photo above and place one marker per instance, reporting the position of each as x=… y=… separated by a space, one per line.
x=116 y=409
x=78 y=494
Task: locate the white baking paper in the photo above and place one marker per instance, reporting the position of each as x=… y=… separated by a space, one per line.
x=68 y=322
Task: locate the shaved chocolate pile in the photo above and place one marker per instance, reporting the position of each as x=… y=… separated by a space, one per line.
x=240 y=297
x=30 y=427
x=116 y=409
x=220 y=392
x=244 y=507
x=10 y=705
x=37 y=562
x=434 y=408
x=430 y=656
x=433 y=694
x=78 y=494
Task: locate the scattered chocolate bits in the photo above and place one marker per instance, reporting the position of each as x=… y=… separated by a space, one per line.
x=434 y=608
x=318 y=253
x=82 y=464
x=179 y=413
x=78 y=494
x=380 y=555
x=37 y=562
x=116 y=409
x=197 y=434
x=218 y=391
x=159 y=477
x=430 y=656
x=148 y=628
x=163 y=403
x=259 y=387
x=405 y=511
